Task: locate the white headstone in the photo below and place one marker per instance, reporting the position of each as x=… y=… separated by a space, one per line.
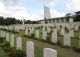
x=48 y=52
x=7 y=37
x=32 y=30
x=30 y=49
x=26 y=32
x=67 y=40
x=19 y=43
x=48 y=30
x=76 y=27
x=44 y=35
x=62 y=31
x=37 y=33
x=54 y=36
x=71 y=33
x=12 y=40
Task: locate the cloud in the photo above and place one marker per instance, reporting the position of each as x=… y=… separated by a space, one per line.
x=51 y=4
x=74 y=5
x=49 y=0
x=14 y=8
x=55 y=13
x=10 y=2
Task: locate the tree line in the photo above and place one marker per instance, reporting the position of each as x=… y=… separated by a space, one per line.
x=9 y=21
x=76 y=16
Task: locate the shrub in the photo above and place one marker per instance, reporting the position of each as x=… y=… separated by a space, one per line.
x=24 y=35
x=1 y=39
x=16 y=53
x=76 y=49
x=20 y=53
x=49 y=39
x=14 y=31
x=59 y=43
x=6 y=46
x=32 y=36
x=12 y=52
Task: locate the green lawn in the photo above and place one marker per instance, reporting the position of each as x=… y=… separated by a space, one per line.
x=2 y=53
x=40 y=45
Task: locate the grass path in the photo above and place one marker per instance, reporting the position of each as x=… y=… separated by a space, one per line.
x=2 y=53
x=39 y=46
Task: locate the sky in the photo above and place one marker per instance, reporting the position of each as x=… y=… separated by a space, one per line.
x=34 y=9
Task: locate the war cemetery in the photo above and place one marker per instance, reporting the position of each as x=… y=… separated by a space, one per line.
x=50 y=37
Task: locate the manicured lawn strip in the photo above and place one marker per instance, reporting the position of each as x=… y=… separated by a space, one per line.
x=3 y=53
x=75 y=43
x=60 y=40
x=76 y=34
x=40 y=45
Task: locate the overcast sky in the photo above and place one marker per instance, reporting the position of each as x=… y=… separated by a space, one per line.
x=33 y=9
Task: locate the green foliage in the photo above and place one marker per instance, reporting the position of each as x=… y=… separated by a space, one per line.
x=76 y=49
x=60 y=40
x=32 y=36
x=77 y=16
x=9 y=21
x=16 y=53
x=1 y=39
x=49 y=38
x=5 y=46
x=14 y=31
x=45 y=20
x=75 y=44
x=31 y=22
x=3 y=29
x=12 y=52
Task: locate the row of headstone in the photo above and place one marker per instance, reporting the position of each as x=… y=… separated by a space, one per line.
x=2 y=33
x=54 y=36
x=29 y=30
x=44 y=36
x=69 y=26
x=48 y=52
x=47 y=27
x=57 y=25
x=44 y=33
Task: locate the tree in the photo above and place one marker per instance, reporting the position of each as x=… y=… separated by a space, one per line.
x=9 y=21
x=77 y=16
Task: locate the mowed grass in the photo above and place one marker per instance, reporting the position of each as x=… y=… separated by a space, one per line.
x=40 y=45
x=75 y=43
x=3 y=53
